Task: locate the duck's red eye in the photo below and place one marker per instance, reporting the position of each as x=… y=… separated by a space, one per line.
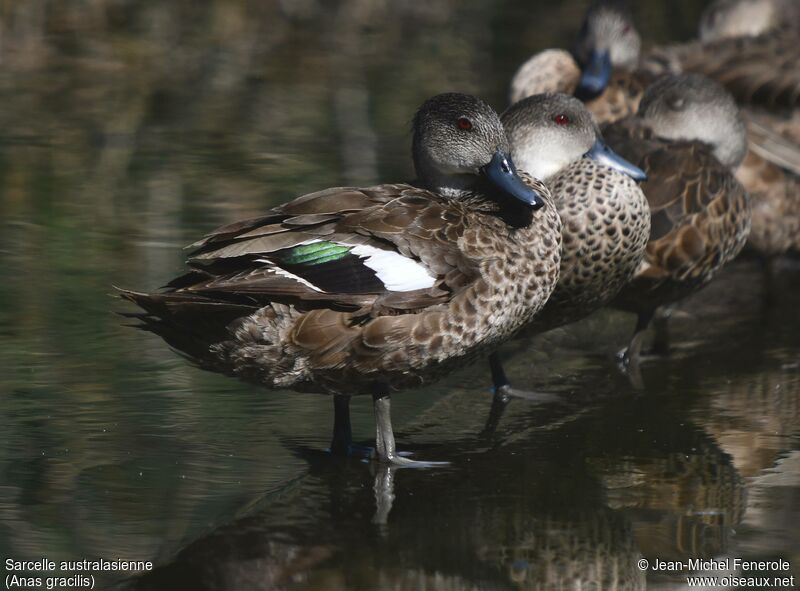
x=561 y=119
x=464 y=123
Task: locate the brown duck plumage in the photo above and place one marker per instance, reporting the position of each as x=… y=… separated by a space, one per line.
x=752 y=48
x=622 y=96
x=762 y=70
x=366 y=291
x=604 y=214
x=775 y=198
x=687 y=138
x=608 y=45
x=555 y=70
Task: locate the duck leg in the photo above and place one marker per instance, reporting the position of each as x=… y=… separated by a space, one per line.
x=384 y=436
x=661 y=325
x=503 y=392
x=499 y=403
x=500 y=384
x=631 y=354
x=342 y=440
x=630 y=357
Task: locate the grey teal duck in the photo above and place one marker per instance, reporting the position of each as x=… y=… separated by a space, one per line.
x=739 y=42
x=688 y=137
x=602 y=68
x=604 y=214
x=370 y=290
x=749 y=46
x=753 y=48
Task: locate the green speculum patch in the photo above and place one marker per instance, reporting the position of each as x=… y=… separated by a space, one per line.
x=315 y=254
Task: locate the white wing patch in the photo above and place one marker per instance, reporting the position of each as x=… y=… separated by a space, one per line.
x=284 y=273
x=395 y=271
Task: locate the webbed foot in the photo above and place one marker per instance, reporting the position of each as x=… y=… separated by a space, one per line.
x=385 y=450
x=507 y=393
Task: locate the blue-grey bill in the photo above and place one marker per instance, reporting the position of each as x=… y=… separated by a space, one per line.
x=595 y=75
x=502 y=173
x=608 y=157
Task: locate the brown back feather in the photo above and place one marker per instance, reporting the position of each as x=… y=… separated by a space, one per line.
x=700 y=214
x=758 y=70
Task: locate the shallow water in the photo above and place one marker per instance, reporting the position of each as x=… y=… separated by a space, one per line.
x=129 y=129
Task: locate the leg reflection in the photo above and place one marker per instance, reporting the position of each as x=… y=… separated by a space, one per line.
x=384 y=492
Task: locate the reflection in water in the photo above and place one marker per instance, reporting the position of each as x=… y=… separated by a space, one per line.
x=128 y=129
x=569 y=496
x=597 y=551
x=530 y=520
x=684 y=498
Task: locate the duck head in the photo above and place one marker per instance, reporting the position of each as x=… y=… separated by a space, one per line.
x=694 y=108
x=460 y=147
x=550 y=70
x=739 y=18
x=607 y=40
x=551 y=131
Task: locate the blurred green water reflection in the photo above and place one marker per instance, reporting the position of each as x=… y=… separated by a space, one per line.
x=127 y=129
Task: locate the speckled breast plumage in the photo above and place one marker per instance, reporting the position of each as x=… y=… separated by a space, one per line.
x=605 y=228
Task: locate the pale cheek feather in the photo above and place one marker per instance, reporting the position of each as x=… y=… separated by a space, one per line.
x=395 y=271
x=542 y=155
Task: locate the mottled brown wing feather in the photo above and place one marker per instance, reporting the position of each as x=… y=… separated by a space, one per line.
x=322 y=204
x=774 y=137
x=757 y=70
x=700 y=213
x=709 y=225
x=622 y=96
x=775 y=197
x=416 y=223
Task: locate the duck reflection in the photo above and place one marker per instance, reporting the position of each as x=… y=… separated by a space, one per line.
x=538 y=512
x=484 y=524
x=716 y=429
x=595 y=551
x=562 y=496
x=680 y=490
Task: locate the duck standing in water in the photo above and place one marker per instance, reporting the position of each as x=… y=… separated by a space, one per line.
x=752 y=47
x=604 y=214
x=749 y=46
x=769 y=170
x=353 y=291
x=688 y=137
